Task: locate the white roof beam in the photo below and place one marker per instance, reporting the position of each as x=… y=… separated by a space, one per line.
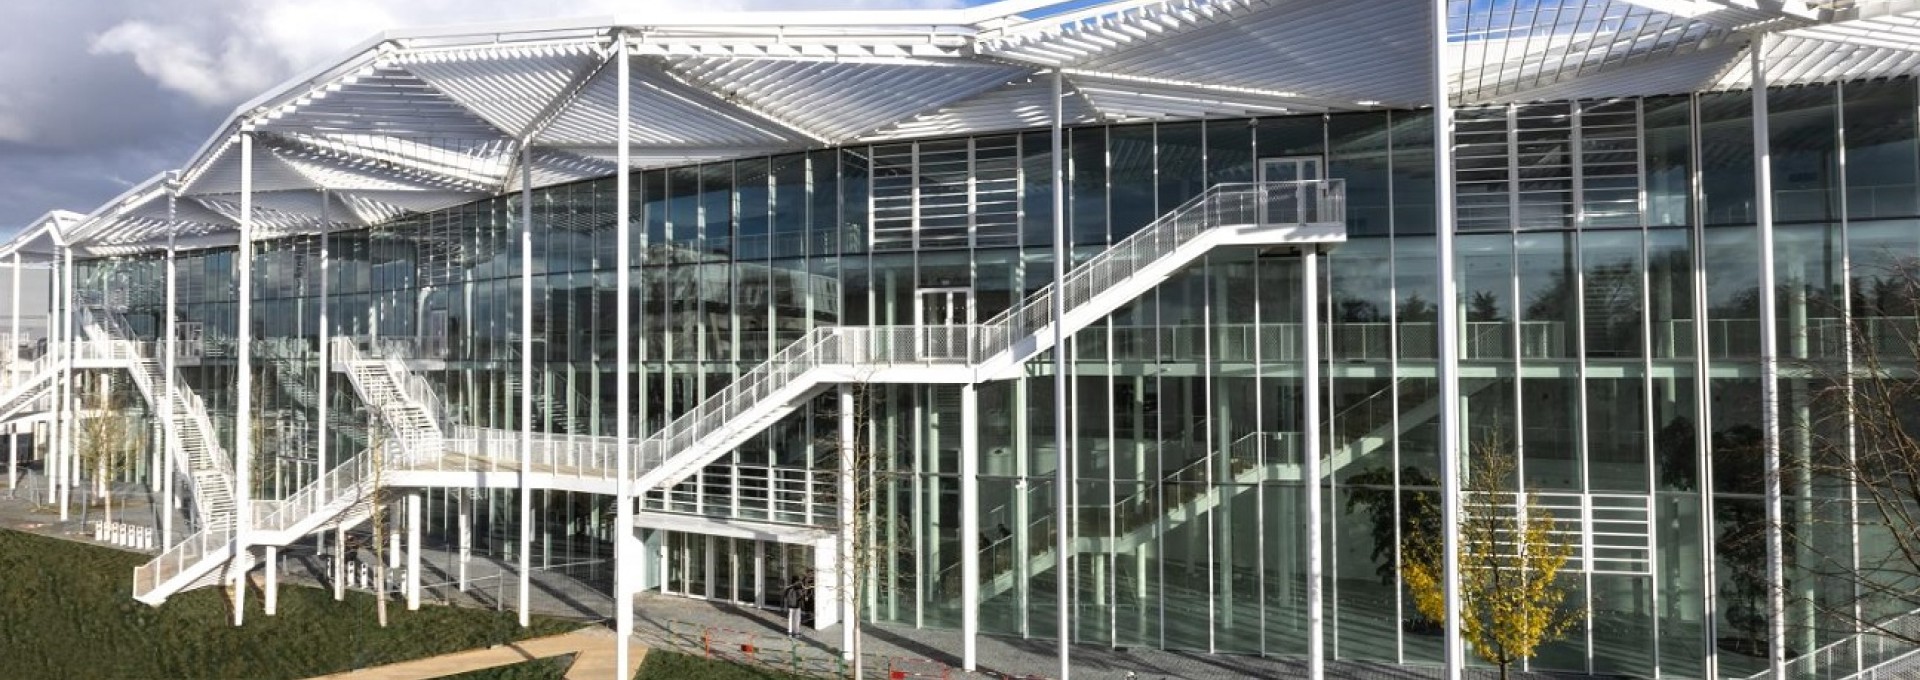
x=719 y=91
x=1261 y=93
x=421 y=168
x=576 y=85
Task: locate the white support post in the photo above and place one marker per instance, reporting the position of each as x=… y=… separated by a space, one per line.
x=526 y=384
x=13 y=357
x=1452 y=451
x=243 y=398
x=624 y=552
x=1769 y=361
x=413 y=551
x=848 y=563
x=970 y=527
x=1063 y=478
x=1310 y=450
x=69 y=475
x=326 y=354
x=340 y=563
x=464 y=499
x=168 y=412
x=272 y=598
x=51 y=466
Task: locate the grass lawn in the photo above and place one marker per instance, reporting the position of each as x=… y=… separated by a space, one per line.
x=665 y=665
x=67 y=611
x=550 y=668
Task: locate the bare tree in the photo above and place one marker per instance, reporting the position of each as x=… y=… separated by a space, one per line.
x=110 y=442
x=857 y=458
x=1850 y=460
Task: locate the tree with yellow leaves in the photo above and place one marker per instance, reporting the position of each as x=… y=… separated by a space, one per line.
x=1511 y=597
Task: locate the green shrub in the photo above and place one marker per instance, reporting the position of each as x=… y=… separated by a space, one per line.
x=67 y=611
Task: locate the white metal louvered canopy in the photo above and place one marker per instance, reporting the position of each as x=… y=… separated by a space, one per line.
x=415 y=121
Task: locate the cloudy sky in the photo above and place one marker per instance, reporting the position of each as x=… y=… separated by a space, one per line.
x=96 y=95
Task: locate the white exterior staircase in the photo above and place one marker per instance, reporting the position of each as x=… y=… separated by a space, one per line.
x=196 y=560
x=26 y=394
x=404 y=401
x=1303 y=214
x=1300 y=214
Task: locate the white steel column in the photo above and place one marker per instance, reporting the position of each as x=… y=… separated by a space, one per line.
x=1310 y=450
x=465 y=501
x=326 y=354
x=526 y=382
x=326 y=370
x=849 y=598
x=1452 y=453
x=58 y=364
x=13 y=356
x=1769 y=360
x=1063 y=480
x=413 y=551
x=69 y=422
x=340 y=561
x=969 y=527
x=166 y=408
x=272 y=598
x=243 y=409
x=623 y=550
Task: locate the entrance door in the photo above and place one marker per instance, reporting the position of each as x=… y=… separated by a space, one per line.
x=436 y=334
x=1297 y=205
x=943 y=317
x=190 y=337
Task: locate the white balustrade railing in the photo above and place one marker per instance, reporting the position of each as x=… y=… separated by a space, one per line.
x=499 y=449
x=857 y=348
x=1222 y=205
x=194 y=550
x=351 y=481
x=1611 y=533
x=754 y=492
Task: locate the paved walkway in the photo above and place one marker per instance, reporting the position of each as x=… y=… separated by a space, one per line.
x=593 y=650
x=726 y=630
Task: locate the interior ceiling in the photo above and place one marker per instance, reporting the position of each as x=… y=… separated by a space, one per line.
x=422 y=121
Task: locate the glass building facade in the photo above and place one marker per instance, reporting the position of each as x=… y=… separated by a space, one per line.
x=1610 y=301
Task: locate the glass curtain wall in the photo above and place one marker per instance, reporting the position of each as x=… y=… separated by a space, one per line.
x=1609 y=299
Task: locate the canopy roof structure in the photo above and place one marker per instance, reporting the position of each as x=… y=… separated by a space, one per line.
x=420 y=120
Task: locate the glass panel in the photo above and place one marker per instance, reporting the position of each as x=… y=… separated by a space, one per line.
x=1726 y=149
x=1882 y=154
x=1361 y=295
x=1550 y=295
x=1412 y=172
x=1801 y=122
x=1612 y=282
x=1670 y=292
x=1357 y=152
x=1486 y=286
x=1669 y=160
x=1733 y=292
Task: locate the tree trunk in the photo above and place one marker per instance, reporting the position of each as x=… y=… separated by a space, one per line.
x=380 y=587
x=1503 y=670
x=106 y=494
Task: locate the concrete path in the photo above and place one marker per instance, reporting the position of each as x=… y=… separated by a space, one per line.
x=595 y=659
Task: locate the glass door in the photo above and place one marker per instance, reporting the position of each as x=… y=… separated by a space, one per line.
x=942 y=318
x=190 y=337
x=1298 y=205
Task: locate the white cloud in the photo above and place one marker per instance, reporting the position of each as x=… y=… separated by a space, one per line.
x=242 y=47
x=95 y=90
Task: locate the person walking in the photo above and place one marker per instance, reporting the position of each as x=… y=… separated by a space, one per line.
x=793 y=598
x=806 y=601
